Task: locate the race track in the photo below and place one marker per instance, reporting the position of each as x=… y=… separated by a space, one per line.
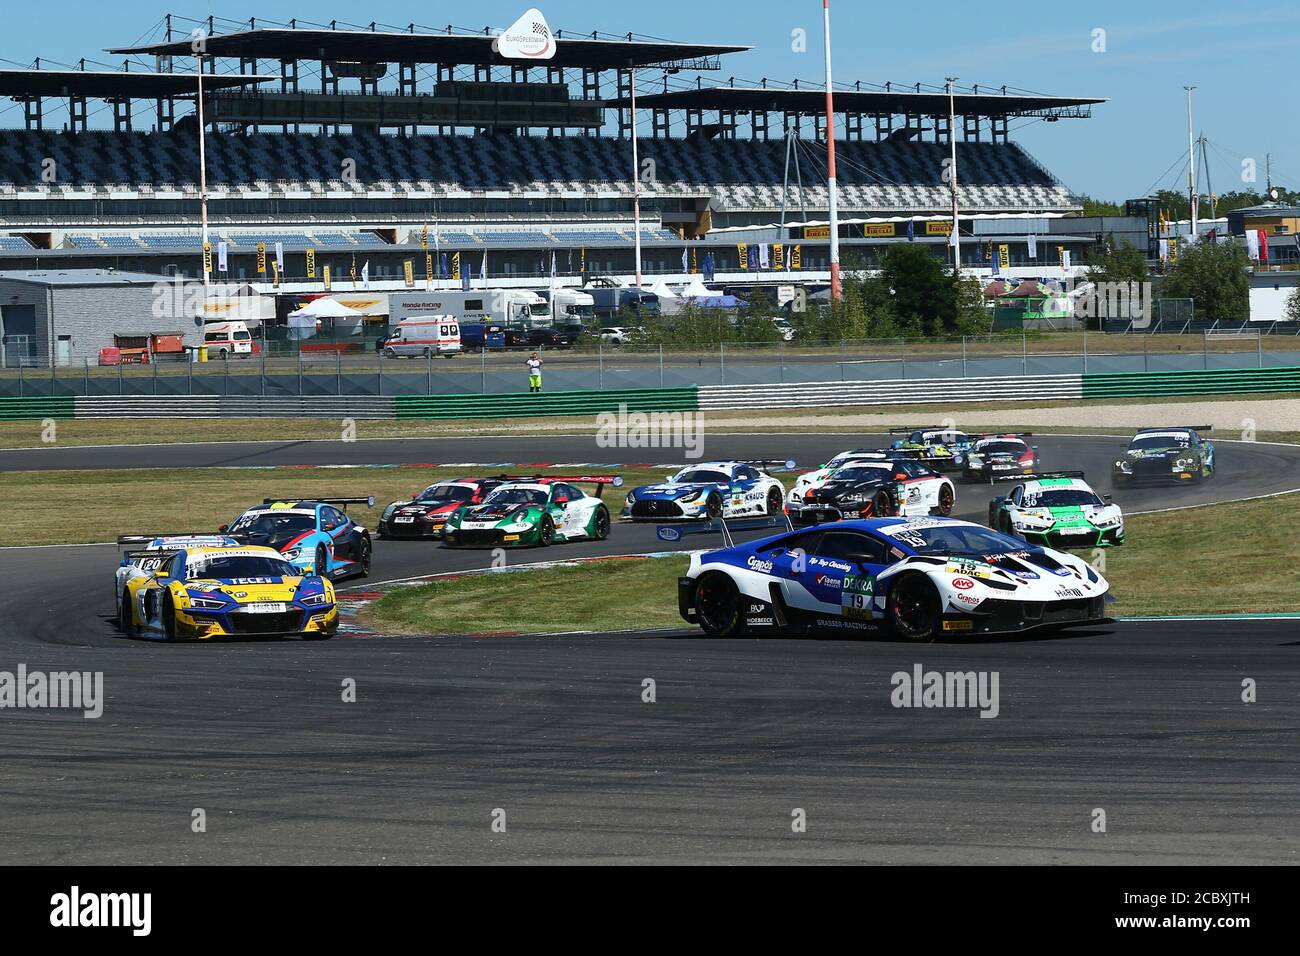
x=1143 y=720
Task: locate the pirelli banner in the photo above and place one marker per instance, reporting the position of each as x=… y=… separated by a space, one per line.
x=816 y=232
x=428 y=267
x=327 y=278
x=311 y=263
x=880 y=230
x=408 y=270
x=942 y=227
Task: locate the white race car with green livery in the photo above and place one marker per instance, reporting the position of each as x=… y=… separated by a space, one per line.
x=532 y=511
x=1059 y=510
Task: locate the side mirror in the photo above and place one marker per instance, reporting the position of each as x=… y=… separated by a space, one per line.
x=1107 y=497
x=223 y=529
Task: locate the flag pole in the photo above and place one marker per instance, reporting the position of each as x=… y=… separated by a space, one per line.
x=203 y=174
x=636 y=182
x=952 y=172
x=1191 y=167
x=837 y=292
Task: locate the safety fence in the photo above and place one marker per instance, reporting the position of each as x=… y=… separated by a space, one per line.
x=471 y=407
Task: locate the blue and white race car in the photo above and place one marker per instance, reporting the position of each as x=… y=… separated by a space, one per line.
x=315 y=535
x=708 y=490
x=919 y=578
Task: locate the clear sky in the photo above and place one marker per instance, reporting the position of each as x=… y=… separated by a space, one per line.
x=1240 y=58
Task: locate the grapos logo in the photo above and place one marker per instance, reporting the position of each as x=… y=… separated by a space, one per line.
x=57 y=690
x=1116 y=300
x=622 y=429
x=75 y=909
x=952 y=689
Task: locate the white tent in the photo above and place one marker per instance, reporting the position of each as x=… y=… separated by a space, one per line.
x=304 y=322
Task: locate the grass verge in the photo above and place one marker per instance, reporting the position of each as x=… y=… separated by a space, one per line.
x=1173 y=564
x=79 y=507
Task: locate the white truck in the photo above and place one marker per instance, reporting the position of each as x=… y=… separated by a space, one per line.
x=571 y=306
x=512 y=308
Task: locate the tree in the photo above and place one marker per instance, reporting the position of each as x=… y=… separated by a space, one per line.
x=1214 y=276
x=922 y=290
x=1112 y=261
x=1100 y=207
x=1293 y=305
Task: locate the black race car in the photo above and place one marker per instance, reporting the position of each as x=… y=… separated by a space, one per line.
x=424 y=515
x=875 y=489
x=1178 y=454
x=1000 y=456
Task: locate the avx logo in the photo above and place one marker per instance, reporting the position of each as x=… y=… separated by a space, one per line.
x=963 y=584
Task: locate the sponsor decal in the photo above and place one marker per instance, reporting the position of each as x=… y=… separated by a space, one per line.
x=826 y=581
x=757 y=564
x=668 y=534
x=963 y=584
x=958 y=625
x=969 y=599
x=860 y=583
x=1069 y=593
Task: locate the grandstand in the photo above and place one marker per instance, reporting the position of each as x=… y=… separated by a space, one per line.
x=504 y=156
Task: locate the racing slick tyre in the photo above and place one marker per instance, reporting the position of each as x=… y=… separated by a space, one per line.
x=124 y=613
x=545 y=531
x=774 y=503
x=713 y=505
x=363 y=558
x=719 y=606
x=945 y=501
x=601 y=529
x=321 y=567
x=913 y=608
x=168 y=616
x=882 y=506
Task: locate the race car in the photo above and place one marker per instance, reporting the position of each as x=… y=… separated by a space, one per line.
x=814 y=479
x=919 y=578
x=996 y=456
x=942 y=447
x=877 y=489
x=424 y=515
x=710 y=490
x=1166 y=454
x=206 y=586
x=1060 y=510
x=532 y=511
x=316 y=535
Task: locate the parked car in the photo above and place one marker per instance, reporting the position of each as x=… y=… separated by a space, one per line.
x=615 y=335
x=544 y=337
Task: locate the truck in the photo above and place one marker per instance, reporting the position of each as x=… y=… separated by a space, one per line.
x=570 y=306
x=511 y=308
x=610 y=299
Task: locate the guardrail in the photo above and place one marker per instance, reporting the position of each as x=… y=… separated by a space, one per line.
x=893 y=392
x=28 y=409
x=1194 y=382
x=542 y=404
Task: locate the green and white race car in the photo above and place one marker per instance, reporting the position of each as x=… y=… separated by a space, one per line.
x=532 y=511
x=1059 y=510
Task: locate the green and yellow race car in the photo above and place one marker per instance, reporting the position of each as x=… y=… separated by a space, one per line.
x=533 y=511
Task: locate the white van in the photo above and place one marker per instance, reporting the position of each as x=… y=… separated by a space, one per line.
x=424 y=335
x=227 y=339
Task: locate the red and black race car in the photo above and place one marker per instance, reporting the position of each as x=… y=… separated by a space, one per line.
x=424 y=515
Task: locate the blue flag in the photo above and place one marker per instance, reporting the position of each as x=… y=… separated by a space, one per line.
x=464 y=280
x=442 y=266
x=911 y=233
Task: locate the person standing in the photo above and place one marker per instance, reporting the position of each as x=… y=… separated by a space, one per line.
x=534 y=373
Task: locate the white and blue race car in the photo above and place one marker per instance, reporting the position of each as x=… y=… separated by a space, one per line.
x=713 y=489
x=919 y=578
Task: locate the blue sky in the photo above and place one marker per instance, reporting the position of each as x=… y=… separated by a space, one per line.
x=1234 y=54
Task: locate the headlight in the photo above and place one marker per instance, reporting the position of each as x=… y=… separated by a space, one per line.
x=519 y=515
x=316 y=600
x=1124 y=466
x=1182 y=464
x=693 y=495
x=631 y=498
x=974 y=459
x=206 y=604
x=292 y=554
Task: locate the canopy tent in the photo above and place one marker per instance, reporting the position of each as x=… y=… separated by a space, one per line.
x=322 y=312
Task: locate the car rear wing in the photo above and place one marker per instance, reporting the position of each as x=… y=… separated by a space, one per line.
x=151 y=561
x=908 y=429
x=769 y=464
x=144 y=538
x=368 y=501
x=981 y=435
x=1035 y=476
x=1177 y=428
x=599 y=481
x=674 y=532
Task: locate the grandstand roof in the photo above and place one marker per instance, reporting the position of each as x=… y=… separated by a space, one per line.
x=758 y=99
x=365 y=46
x=103 y=84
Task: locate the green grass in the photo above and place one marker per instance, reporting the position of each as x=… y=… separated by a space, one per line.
x=79 y=507
x=1217 y=559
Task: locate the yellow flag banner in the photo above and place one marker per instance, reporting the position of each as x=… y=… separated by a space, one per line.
x=778 y=256
x=207 y=258
x=311 y=263
x=582 y=259
x=695 y=260
x=408 y=267
x=326 y=275
x=1004 y=256
x=275 y=273
x=796 y=257
x=455 y=265
x=261 y=258
x=743 y=249
x=424 y=236
x=1060 y=255
x=354 y=269
x=428 y=266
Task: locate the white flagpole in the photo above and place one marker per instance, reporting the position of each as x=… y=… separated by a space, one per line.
x=1191 y=166
x=952 y=171
x=636 y=183
x=837 y=292
x=203 y=172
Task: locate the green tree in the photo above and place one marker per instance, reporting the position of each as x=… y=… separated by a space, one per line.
x=1214 y=275
x=922 y=291
x=1112 y=261
x=1293 y=306
x=1100 y=207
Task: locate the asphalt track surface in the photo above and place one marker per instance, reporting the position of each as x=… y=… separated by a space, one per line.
x=1143 y=720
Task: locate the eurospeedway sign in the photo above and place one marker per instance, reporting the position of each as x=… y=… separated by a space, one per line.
x=528 y=38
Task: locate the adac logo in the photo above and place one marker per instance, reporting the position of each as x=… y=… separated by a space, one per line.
x=963 y=584
x=528 y=38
